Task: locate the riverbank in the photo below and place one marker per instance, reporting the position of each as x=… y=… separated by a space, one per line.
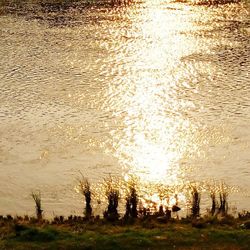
x=21 y=233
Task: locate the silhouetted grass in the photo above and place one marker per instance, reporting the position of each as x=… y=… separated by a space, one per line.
x=214 y=205
x=113 y=195
x=244 y=215
x=58 y=220
x=38 y=201
x=140 y=209
x=195 y=205
x=131 y=201
x=223 y=208
x=84 y=188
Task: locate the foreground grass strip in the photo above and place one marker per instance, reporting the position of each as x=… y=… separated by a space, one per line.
x=167 y=236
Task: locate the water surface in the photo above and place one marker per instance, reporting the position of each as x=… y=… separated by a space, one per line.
x=158 y=90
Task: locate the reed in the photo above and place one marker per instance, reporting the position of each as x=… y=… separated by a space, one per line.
x=164 y=192
x=131 y=202
x=223 y=208
x=113 y=196
x=214 y=205
x=154 y=204
x=195 y=205
x=38 y=202
x=84 y=189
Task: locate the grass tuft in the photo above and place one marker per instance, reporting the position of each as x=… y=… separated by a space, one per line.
x=214 y=205
x=195 y=205
x=223 y=208
x=113 y=195
x=37 y=198
x=84 y=188
x=131 y=202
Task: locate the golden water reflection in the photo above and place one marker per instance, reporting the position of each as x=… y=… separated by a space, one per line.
x=153 y=91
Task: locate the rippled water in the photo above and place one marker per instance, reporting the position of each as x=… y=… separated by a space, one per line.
x=158 y=90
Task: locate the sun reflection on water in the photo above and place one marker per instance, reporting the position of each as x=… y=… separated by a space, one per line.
x=154 y=133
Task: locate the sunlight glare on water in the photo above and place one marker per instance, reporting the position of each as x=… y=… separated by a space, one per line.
x=159 y=93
